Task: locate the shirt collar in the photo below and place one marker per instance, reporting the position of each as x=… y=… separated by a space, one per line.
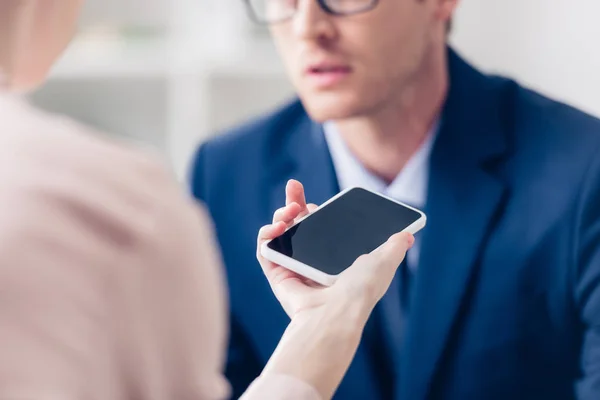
x=409 y=186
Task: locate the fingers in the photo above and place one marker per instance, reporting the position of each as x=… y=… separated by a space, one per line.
x=309 y=209
x=283 y=218
x=292 y=213
x=265 y=233
x=287 y=214
x=269 y=232
x=294 y=193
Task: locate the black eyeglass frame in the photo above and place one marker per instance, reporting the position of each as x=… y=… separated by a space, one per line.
x=322 y=3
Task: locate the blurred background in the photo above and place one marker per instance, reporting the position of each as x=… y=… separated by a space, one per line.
x=171 y=73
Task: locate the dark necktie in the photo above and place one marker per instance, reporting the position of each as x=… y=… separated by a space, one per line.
x=388 y=340
x=405 y=277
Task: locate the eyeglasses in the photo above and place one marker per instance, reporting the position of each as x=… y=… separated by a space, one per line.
x=274 y=11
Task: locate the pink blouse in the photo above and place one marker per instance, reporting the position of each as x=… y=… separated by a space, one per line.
x=110 y=285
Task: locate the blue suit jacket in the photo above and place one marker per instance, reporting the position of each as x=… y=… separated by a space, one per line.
x=507 y=295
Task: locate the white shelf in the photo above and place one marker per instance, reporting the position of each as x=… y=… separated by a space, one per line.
x=89 y=58
x=169 y=90
x=112 y=57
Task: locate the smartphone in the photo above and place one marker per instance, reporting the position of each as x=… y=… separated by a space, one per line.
x=326 y=242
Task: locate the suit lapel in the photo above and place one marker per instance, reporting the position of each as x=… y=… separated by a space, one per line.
x=305 y=157
x=464 y=200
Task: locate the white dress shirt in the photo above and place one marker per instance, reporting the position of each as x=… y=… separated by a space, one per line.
x=410 y=186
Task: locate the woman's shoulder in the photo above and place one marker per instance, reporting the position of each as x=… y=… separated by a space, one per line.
x=60 y=136
x=56 y=162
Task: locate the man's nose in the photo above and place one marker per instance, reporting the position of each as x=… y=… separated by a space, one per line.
x=311 y=22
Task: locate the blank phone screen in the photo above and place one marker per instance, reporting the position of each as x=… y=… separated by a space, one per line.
x=354 y=224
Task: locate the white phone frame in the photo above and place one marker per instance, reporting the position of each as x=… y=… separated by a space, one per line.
x=319 y=276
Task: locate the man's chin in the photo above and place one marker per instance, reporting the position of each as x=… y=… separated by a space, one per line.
x=328 y=108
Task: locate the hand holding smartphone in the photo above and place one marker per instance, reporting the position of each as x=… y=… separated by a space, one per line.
x=322 y=315
x=326 y=242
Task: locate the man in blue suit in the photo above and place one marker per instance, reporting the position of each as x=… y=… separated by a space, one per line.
x=504 y=293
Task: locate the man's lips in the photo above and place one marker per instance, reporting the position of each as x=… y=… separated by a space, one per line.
x=322 y=69
x=326 y=75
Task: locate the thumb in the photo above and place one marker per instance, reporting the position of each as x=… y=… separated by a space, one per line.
x=394 y=250
x=387 y=258
x=371 y=275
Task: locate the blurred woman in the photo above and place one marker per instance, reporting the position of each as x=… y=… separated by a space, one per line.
x=110 y=284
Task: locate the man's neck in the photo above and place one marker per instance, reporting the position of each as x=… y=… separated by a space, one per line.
x=385 y=140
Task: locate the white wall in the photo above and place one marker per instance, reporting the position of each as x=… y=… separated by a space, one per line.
x=126 y=12
x=550 y=45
